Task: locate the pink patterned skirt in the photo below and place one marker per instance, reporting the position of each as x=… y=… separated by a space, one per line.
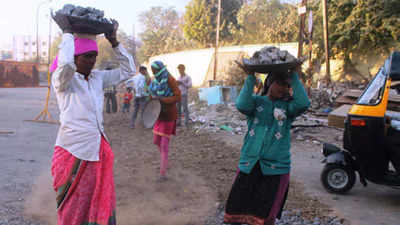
x=85 y=190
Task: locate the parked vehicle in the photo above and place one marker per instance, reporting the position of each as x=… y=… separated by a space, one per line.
x=371 y=139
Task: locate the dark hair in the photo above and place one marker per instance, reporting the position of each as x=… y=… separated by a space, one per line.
x=279 y=76
x=181 y=66
x=142 y=68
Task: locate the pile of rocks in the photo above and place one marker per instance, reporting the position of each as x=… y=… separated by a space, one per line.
x=270 y=55
x=84 y=13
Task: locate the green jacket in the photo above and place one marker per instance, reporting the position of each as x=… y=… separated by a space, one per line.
x=268 y=136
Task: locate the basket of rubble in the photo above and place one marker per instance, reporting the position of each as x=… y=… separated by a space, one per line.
x=86 y=20
x=271 y=59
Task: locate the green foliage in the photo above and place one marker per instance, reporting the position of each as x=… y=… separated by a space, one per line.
x=266 y=21
x=359 y=26
x=163 y=33
x=201 y=20
x=105 y=56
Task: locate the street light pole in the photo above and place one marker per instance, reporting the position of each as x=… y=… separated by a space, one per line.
x=44 y=116
x=49 y=44
x=37 y=30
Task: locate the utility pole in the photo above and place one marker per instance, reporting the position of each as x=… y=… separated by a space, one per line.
x=302 y=12
x=134 y=43
x=326 y=35
x=217 y=41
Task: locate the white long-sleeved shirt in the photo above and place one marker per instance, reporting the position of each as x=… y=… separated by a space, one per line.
x=138 y=83
x=81 y=102
x=186 y=83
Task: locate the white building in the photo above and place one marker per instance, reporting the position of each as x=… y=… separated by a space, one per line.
x=24 y=48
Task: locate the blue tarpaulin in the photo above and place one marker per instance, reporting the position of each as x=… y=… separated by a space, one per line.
x=218 y=94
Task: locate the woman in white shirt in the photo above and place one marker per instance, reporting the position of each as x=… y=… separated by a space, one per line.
x=82 y=165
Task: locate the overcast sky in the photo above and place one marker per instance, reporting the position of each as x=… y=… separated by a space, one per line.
x=19 y=16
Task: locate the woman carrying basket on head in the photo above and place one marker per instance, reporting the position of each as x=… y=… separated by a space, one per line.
x=165 y=88
x=82 y=165
x=261 y=185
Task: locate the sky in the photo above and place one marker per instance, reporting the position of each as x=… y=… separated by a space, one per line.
x=19 y=16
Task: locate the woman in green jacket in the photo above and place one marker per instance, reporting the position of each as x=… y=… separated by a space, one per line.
x=260 y=188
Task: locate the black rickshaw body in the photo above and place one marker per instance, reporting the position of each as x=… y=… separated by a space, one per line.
x=365 y=134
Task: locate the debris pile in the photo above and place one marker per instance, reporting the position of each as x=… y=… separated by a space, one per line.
x=323 y=97
x=226 y=118
x=215 y=118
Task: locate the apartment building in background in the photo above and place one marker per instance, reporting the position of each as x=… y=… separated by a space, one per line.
x=24 y=48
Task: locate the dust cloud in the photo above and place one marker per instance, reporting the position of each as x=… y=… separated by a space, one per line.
x=141 y=200
x=41 y=203
x=183 y=199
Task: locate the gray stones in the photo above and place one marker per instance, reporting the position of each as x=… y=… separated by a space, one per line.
x=270 y=55
x=86 y=13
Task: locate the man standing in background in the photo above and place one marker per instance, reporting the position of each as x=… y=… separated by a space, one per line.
x=111 y=99
x=138 y=83
x=185 y=83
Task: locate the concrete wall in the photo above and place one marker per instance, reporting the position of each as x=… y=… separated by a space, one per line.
x=198 y=62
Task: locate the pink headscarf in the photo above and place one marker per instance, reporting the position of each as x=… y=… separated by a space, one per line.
x=82 y=45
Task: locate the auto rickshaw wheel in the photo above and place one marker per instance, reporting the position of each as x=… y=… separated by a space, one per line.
x=337 y=178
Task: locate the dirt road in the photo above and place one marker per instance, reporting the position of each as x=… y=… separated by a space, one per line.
x=202 y=167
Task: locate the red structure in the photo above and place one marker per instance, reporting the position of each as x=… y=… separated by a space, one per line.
x=19 y=74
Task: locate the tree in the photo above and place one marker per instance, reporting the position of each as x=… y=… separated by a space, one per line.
x=105 y=56
x=266 y=21
x=201 y=20
x=162 y=33
x=362 y=26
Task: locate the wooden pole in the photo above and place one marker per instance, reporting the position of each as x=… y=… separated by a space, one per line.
x=310 y=64
x=301 y=28
x=326 y=35
x=217 y=41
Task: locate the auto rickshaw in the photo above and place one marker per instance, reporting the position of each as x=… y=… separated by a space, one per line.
x=371 y=142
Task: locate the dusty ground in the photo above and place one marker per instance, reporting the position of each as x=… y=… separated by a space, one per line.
x=202 y=168
x=202 y=171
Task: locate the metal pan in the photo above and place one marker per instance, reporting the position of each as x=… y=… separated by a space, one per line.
x=88 y=26
x=268 y=68
x=151 y=112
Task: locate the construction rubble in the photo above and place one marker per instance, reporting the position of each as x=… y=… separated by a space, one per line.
x=226 y=118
